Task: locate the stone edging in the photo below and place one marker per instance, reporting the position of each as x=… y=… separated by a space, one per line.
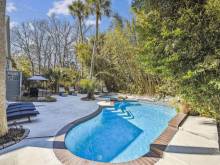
x=156 y=149
x=26 y=132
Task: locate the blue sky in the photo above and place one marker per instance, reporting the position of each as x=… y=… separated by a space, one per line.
x=26 y=10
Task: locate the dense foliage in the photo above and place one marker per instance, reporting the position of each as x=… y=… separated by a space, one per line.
x=171 y=47
x=116 y=65
x=181 y=45
x=66 y=77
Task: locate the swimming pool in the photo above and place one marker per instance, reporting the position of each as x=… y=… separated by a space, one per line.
x=119 y=134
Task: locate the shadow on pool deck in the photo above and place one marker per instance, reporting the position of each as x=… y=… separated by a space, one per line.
x=189 y=150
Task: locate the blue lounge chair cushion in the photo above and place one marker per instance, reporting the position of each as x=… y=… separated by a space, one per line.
x=21 y=114
x=20 y=104
x=12 y=110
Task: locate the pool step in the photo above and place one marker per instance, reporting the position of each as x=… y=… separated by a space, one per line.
x=109 y=115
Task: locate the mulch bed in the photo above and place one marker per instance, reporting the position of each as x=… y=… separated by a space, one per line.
x=87 y=99
x=13 y=136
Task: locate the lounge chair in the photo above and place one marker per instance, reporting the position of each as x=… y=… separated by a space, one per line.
x=11 y=110
x=20 y=104
x=17 y=106
x=21 y=110
x=72 y=91
x=105 y=90
x=62 y=92
x=22 y=114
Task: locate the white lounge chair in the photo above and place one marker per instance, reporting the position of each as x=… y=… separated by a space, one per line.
x=72 y=91
x=62 y=92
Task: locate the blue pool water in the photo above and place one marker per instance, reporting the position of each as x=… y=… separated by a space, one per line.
x=119 y=134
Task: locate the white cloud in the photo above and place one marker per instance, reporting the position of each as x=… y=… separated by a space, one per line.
x=10 y=7
x=60 y=7
x=90 y=22
x=13 y=24
x=31 y=26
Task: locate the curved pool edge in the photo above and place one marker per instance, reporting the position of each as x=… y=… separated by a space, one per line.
x=156 y=148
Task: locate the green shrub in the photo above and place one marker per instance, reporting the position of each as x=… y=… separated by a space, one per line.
x=87 y=85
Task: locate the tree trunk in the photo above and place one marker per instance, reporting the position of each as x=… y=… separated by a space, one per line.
x=97 y=27
x=81 y=30
x=92 y=61
x=81 y=40
x=3 y=118
x=95 y=46
x=32 y=68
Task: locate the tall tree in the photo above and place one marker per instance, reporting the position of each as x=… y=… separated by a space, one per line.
x=98 y=8
x=79 y=10
x=46 y=43
x=21 y=40
x=3 y=119
x=179 y=43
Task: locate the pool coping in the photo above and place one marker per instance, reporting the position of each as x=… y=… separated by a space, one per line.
x=156 y=148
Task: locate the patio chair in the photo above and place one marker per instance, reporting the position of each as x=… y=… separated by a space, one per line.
x=72 y=91
x=34 y=92
x=62 y=92
x=105 y=90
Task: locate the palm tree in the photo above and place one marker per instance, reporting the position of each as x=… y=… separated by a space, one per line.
x=79 y=9
x=3 y=119
x=98 y=8
x=117 y=22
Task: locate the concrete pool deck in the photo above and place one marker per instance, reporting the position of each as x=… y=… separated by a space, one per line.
x=195 y=142
x=37 y=148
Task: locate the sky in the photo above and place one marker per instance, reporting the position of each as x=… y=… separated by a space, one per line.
x=27 y=10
